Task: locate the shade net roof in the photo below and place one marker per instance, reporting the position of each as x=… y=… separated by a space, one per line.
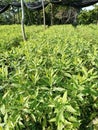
x=80 y=3
x=38 y=5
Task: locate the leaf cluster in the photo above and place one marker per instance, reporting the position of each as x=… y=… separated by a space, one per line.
x=49 y=82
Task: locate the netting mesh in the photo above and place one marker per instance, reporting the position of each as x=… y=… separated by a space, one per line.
x=3 y=8
x=80 y=3
x=38 y=5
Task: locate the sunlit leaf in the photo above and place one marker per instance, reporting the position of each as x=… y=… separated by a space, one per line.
x=64 y=98
x=69 y=108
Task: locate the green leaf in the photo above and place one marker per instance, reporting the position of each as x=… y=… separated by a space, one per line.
x=3 y=110
x=33 y=116
x=52 y=120
x=1 y=128
x=60 y=126
x=58 y=89
x=72 y=119
x=64 y=98
x=5 y=118
x=70 y=109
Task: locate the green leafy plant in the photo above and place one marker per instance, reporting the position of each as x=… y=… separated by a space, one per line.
x=49 y=82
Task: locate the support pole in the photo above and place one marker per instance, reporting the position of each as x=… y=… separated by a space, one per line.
x=52 y=14
x=44 y=19
x=76 y=13
x=22 y=21
x=18 y=17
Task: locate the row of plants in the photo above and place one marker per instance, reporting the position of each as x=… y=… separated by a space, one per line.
x=49 y=82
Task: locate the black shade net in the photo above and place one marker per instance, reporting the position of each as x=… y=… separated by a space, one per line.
x=16 y=4
x=3 y=8
x=80 y=3
x=57 y=2
x=38 y=5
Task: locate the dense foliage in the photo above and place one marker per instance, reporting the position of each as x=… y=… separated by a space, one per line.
x=49 y=82
x=87 y=17
x=55 y=14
